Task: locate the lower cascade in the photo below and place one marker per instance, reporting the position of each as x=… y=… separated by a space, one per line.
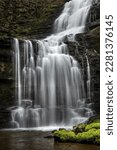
x=49 y=83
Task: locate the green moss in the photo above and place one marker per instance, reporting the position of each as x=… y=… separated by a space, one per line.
x=93 y=120
x=96 y=121
x=65 y=136
x=79 y=128
x=91 y=136
x=92 y=125
x=82 y=133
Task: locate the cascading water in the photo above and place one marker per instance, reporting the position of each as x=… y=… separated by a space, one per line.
x=88 y=80
x=49 y=83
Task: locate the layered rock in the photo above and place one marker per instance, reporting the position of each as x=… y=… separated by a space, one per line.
x=28 y=18
x=87 y=46
x=6 y=81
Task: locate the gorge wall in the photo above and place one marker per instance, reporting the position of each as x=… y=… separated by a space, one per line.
x=34 y=19
x=28 y=18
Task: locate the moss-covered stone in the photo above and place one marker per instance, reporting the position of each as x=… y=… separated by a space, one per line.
x=65 y=136
x=94 y=120
x=90 y=136
x=82 y=133
x=79 y=128
x=92 y=125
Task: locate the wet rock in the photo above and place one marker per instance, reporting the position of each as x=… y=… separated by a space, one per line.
x=49 y=137
x=79 y=128
x=88 y=45
x=93 y=19
x=6 y=81
x=25 y=103
x=28 y=18
x=82 y=133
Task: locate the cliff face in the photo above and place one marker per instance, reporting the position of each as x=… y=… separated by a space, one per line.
x=34 y=19
x=88 y=45
x=6 y=81
x=28 y=18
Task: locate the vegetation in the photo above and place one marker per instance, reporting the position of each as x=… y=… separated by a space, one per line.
x=27 y=18
x=90 y=136
x=79 y=128
x=82 y=133
x=65 y=135
x=92 y=125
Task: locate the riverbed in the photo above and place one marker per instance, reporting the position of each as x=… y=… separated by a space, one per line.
x=37 y=140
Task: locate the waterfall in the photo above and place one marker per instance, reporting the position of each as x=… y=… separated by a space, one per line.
x=88 y=80
x=49 y=83
x=17 y=72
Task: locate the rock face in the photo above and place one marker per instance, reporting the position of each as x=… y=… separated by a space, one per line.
x=6 y=81
x=87 y=46
x=94 y=15
x=34 y=19
x=28 y=18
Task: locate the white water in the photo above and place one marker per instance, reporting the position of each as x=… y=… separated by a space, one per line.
x=88 y=80
x=17 y=72
x=49 y=84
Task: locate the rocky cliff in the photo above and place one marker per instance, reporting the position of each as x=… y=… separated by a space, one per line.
x=28 y=18
x=87 y=46
x=6 y=81
x=34 y=19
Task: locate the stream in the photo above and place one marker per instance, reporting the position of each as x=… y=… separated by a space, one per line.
x=37 y=140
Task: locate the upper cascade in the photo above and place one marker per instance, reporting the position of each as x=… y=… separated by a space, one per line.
x=73 y=16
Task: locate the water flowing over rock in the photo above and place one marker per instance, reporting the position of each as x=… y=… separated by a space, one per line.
x=49 y=85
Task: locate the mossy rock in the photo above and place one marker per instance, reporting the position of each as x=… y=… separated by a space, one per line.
x=82 y=133
x=90 y=136
x=93 y=119
x=97 y=140
x=92 y=125
x=79 y=128
x=64 y=136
